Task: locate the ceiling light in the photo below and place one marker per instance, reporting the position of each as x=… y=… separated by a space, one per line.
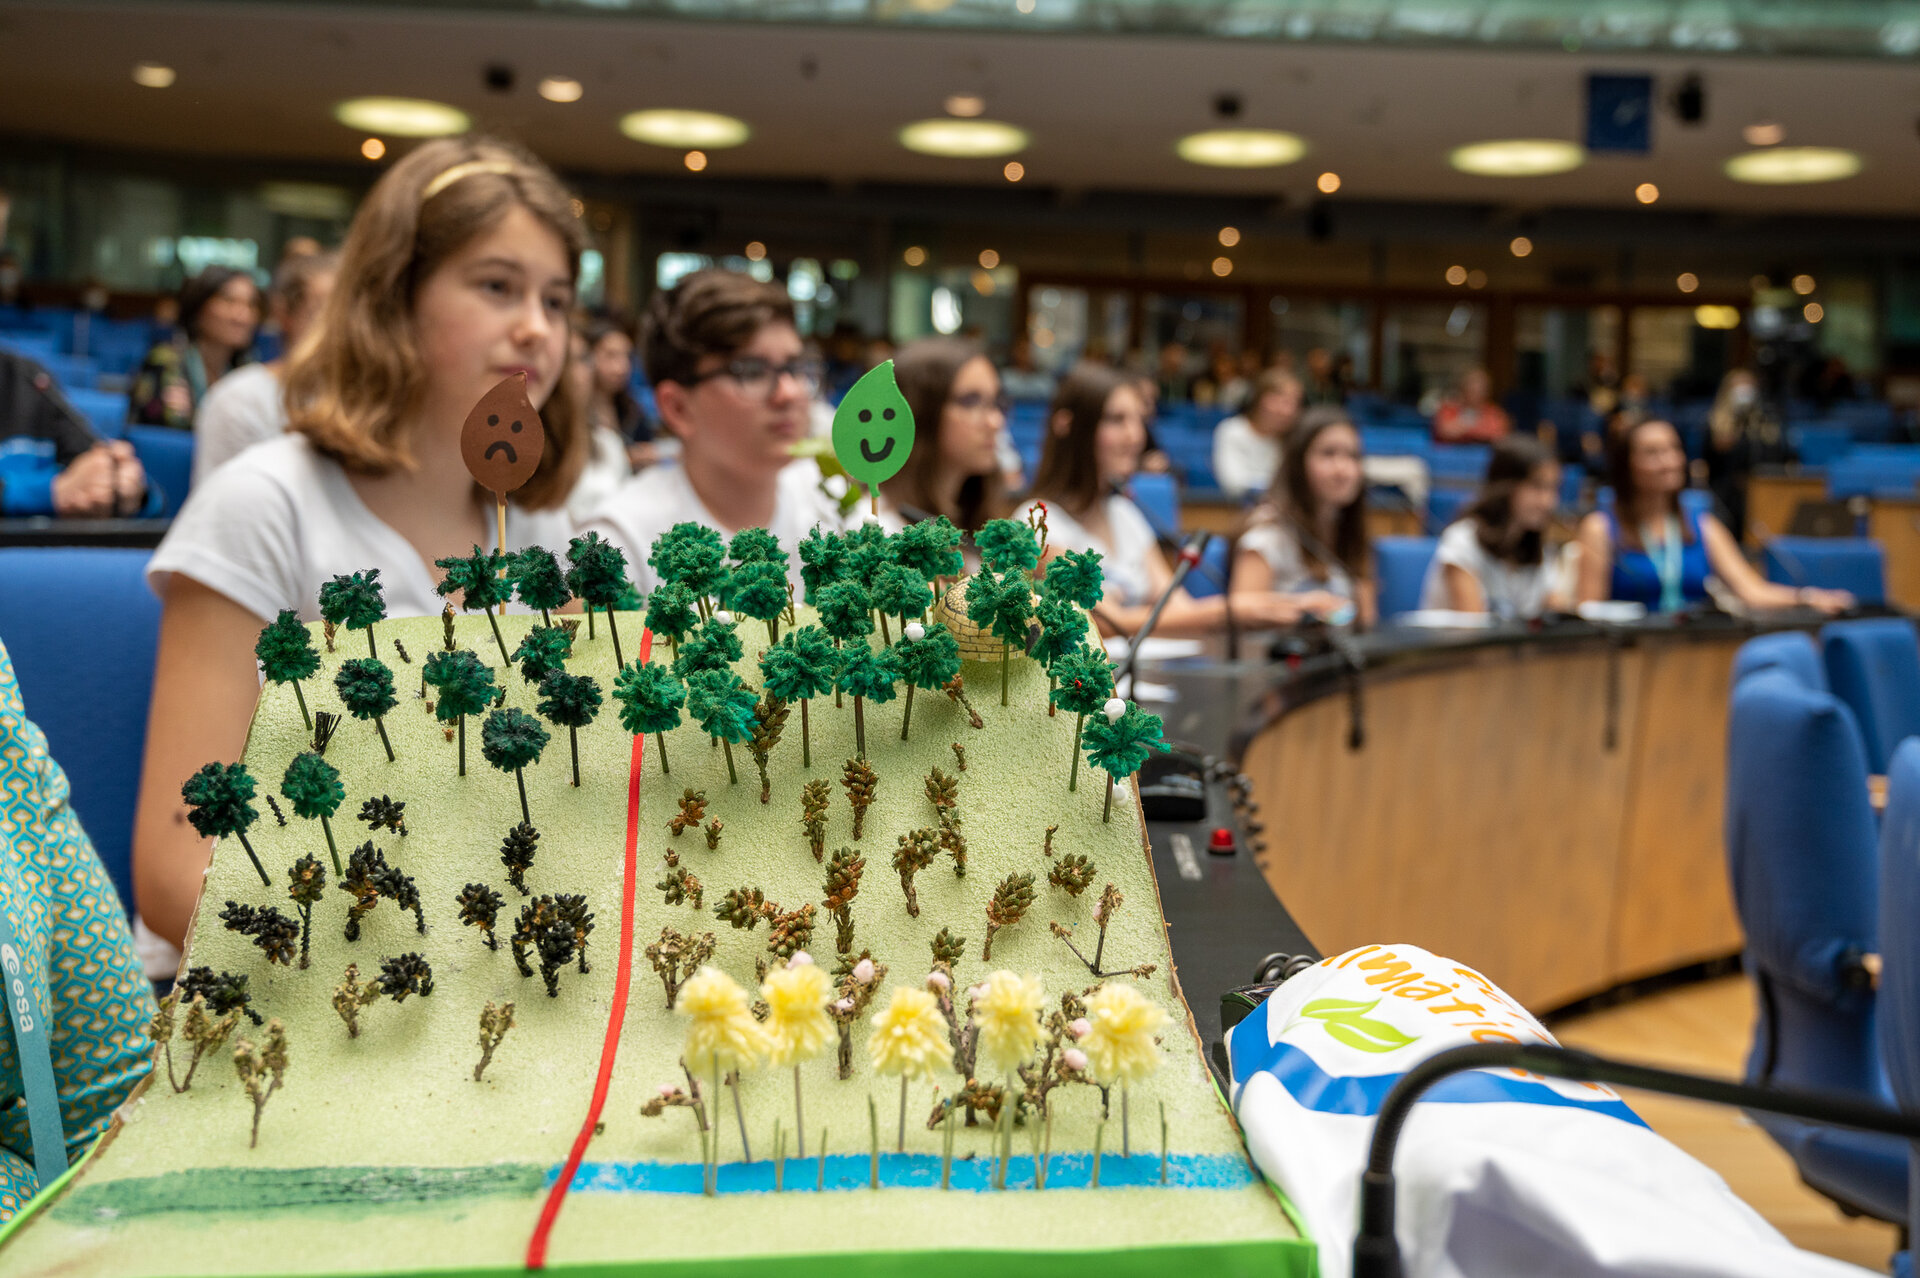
x=989 y=259
x=1222 y=266
x=965 y=105
x=1014 y=170
x=963 y=138
x=1646 y=193
x=1229 y=236
x=1241 y=148
x=915 y=256
x=1767 y=134
x=756 y=251
x=1328 y=182
x=1793 y=164
x=1476 y=279
x=1521 y=246
x=1717 y=316
x=1687 y=282
x=373 y=148
x=404 y=117
x=560 y=88
x=1517 y=157
x=1803 y=284
x=695 y=160
x=1024 y=6
x=1456 y=275
x=1814 y=312
x=152 y=75
x=669 y=127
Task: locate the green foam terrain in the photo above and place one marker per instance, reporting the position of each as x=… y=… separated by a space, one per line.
x=382 y=1156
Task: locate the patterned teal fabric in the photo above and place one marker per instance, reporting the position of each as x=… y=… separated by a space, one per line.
x=64 y=911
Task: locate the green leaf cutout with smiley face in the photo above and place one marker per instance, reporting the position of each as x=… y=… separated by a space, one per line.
x=873 y=428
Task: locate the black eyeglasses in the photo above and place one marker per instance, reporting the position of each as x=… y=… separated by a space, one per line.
x=757 y=377
x=974 y=401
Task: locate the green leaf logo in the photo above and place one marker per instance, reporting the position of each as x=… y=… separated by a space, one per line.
x=873 y=427
x=1347 y=1022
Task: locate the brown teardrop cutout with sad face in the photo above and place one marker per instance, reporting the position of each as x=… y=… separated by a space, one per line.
x=503 y=438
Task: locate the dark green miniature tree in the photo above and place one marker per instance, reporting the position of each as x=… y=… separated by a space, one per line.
x=932 y=546
x=1063 y=628
x=539 y=581
x=723 y=707
x=306 y=884
x=480 y=907
x=599 y=576
x=714 y=646
x=484 y=584
x=928 y=656
x=758 y=589
x=800 y=667
x=463 y=686
x=673 y=612
x=570 y=701
x=219 y=805
x=1002 y=606
x=867 y=675
x=1119 y=747
x=365 y=686
x=511 y=739
x=313 y=786
x=693 y=555
x=900 y=591
x=757 y=545
x=650 y=698
x=1075 y=576
x=823 y=559
x=516 y=853
x=869 y=549
x=286 y=655
x=544 y=650
x=356 y=602
x=1085 y=685
x=272 y=931
x=1007 y=545
x=846 y=613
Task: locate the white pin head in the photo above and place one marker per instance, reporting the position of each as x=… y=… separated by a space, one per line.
x=915 y=631
x=722 y=616
x=1114 y=708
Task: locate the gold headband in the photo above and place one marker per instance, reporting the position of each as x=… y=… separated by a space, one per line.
x=458 y=171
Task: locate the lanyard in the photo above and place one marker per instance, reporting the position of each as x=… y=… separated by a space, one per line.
x=26 y=995
x=1668 y=564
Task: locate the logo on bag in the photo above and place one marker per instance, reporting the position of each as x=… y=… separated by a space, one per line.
x=1347 y=1023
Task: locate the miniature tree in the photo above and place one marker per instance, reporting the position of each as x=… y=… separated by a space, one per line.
x=463 y=686
x=846 y=611
x=909 y=1039
x=1120 y=746
x=930 y=546
x=722 y=1036
x=676 y=956
x=928 y=656
x=758 y=589
x=397 y=886
x=218 y=806
x=693 y=555
x=679 y=885
x=540 y=583
x=1073 y=873
x=512 y=740
x=723 y=707
x=480 y=907
x=867 y=675
x=798 y=1025
x=573 y=913
x=769 y=724
x=1009 y=905
x=286 y=655
x=1063 y=629
x=744 y=907
x=543 y=650
x=650 y=698
x=900 y=591
x=756 y=545
x=713 y=835
x=843 y=885
x=306 y=884
x=693 y=810
x=1074 y=576
x=349 y=996
x=915 y=852
x=869 y=549
x=960 y=756
x=385 y=813
x=943 y=792
x=495 y=1021
x=1006 y=1020
x=366 y=690
x=1119 y=1042
x=598 y=574
x=673 y=612
x=483 y=584
x=714 y=646
x=813 y=814
x=361 y=881
x=572 y=702
x=356 y=602
x=956 y=690
x=800 y=667
x=261 y=1070
x=516 y=853
x=856 y=980
x=948 y=949
x=1001 y=606
x=271 y=930
x=1085 y=686
x=223 y=991
x=953 y=840
x=1103 y=911
x=1007 y=545
x=405 y=974
x=790 y=931
x=859 y=779
x=823 y=558
x=313 y=786
x=203 y=1030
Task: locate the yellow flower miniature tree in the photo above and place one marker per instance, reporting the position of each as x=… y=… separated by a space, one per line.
x=1006 y=1011
x=1119 y=1041
x=909 y=1039
x=722 y=1037
x=798 y=1025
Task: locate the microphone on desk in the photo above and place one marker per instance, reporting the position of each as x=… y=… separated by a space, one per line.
x=1171 y=537
x=1190 y=552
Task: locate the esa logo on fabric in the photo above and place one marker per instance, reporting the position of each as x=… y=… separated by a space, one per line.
x=17 y=987
x=1347 y=1023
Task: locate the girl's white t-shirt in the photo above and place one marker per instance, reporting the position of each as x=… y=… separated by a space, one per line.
x=1124 y=562
x=271 y=525
x=1291 y=574
x=1511 y=590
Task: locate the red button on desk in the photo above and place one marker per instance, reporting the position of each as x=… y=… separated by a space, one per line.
x=1221 y=844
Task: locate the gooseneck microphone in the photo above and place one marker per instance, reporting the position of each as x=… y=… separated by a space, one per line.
x=1190 y=552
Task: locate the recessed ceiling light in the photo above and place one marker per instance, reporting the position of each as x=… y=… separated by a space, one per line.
x=1766 y=134
x=1223 y=266
x=756 y=251
x=1229 y=236
x=1241 y=148
x=1521 y=246
x=403 y=117
x=373 y=148
x=1456 y=275
x=989 y=259
x=1687 y=282
x=1646 y=193
x=1803 y=284
x=914 y=256
x=695 y=160
x=1814 y=312
x=1517 y=157
x=1787 y=165
x=963 y=138
x=966 y=105
x=679 y=130
x=152 y=75
x=1014 y=170
x=560 y=88
x=1328 y=182
x=1717 y=316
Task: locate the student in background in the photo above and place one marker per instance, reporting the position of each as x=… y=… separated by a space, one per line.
x=248 y=405
x=1741 y=433
x=1648 y=550
x=1469 y=416
x=1495 y=557
x=612 y=406
x=960 y=417
x=1246 y=448
x=1309 y=537
x=219 y=313
x=458 y=272
x=607 y=465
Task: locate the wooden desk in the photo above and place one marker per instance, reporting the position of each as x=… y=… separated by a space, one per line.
x=1772 y=499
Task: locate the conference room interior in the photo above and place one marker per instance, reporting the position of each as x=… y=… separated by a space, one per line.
x=1449 y=226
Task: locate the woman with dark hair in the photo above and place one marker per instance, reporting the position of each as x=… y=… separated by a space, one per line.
x=1309 y=538
x=219 y=315
x=611 y=405
x=1494 y=557
x=1648 y=550
x=1096 y=433
x=959 y=414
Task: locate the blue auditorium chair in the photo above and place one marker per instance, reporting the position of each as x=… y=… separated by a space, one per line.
x=1209 y=576
x=1821 y=443
x=1395 y=441
x=1857 y=565
x=1158 y=497
x=81 y=627
x=1400 y=566
x=167 y=455
x=1459 y=463
x=1444 y=506
x=105 y=411
x=1880 y=472
x=1874 y=666
x=1899 y=993
x=1801 y=849
x=1791 y=651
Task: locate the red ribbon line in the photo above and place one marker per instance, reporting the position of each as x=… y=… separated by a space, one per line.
x=537 y=1245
